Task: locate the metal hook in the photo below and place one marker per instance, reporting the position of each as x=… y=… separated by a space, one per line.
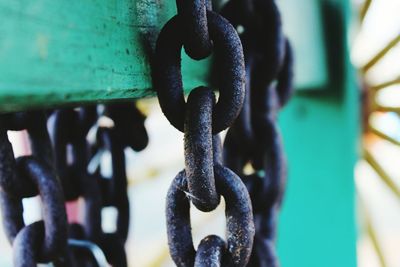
x=94 y=249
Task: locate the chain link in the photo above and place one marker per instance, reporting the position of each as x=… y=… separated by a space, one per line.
x=167 y=77
x=238 y=212
x=196 y=37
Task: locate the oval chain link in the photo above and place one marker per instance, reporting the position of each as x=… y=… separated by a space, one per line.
x=167 y=77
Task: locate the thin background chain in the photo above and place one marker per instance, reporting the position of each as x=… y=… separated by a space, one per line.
x=65 y=177
x=254 y=141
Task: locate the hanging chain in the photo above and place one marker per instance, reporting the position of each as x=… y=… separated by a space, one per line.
x=43 y=241
x=79 y=166
x=201 y=118
x=69 y=130
x=27 y=176
x=255 y=138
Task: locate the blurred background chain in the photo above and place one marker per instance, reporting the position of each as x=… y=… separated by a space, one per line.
x=45 y=240
x=83 y=139
x=253 y=146
x=81 y=142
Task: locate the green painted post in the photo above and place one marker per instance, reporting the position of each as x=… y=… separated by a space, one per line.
x=320 y=129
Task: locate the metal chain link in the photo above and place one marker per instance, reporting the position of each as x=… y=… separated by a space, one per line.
x=254 y=139
x=196 y=40
x=167 y=77
x=201 y=118
x=45 y=240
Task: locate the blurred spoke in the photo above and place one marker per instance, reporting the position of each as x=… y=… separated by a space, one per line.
x=384 y=136
x=371 y=232
x=364 y=9
x=381 y=53
x=387 y=109
x=381 y=172
x=386 y=84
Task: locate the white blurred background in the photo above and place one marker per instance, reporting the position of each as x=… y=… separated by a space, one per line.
x=378 y=176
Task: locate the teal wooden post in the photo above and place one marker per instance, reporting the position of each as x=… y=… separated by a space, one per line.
x=321 y=129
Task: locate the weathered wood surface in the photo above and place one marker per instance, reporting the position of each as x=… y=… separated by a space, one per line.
x=56 y=52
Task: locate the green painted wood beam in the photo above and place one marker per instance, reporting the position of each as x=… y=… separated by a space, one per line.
x=60 y=52
x=55 y=53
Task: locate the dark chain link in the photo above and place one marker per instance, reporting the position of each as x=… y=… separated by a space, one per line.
x=255 y=138
x=201 y=118
x=167 y=78
x=238 y=212
x=43 y=241
x=196 y=38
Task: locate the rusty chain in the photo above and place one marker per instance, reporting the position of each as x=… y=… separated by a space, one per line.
x=201 y=118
